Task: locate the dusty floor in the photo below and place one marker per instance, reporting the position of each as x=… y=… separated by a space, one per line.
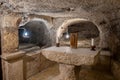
x=86 y=73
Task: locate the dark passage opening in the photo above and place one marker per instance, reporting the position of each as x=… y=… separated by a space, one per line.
x=34 y=33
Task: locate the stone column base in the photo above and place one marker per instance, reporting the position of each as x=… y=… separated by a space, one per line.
x=66 y=72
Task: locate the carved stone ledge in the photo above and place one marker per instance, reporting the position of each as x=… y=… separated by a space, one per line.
x=13 y=56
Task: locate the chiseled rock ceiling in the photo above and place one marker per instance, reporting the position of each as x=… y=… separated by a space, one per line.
x=58 y=6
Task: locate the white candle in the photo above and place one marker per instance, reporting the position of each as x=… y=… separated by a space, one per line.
x=57 y=40
x=92 y=42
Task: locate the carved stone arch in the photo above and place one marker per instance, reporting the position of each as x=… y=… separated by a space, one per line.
x=66 y=23
x=46 y=28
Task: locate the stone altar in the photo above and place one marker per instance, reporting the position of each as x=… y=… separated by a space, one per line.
x=68 y=58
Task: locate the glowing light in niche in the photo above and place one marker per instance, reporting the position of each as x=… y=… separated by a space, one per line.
x=67 y=36
x=26 y=34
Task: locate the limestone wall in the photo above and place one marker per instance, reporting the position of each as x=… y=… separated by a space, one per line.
x=21 y=65
x=116 y=69
x=50 y=5
x=34 y=63
x=28 y=65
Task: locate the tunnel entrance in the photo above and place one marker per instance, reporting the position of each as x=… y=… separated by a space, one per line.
x=34 y=33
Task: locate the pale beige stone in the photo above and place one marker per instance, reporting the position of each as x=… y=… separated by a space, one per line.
x=68 y=58
x=66 y=72
x=34 y=61
x=9 y=33
x=14 y=56
x=85 y=73
x=14 y=70
x=31 y=64
x=68 y=55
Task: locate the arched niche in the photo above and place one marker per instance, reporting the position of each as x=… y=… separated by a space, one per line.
x=38 y=32
x=72 y=23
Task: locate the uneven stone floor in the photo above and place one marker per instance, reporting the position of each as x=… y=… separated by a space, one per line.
x=85 y=74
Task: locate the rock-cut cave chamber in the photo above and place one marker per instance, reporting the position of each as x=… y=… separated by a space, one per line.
x=53 y=39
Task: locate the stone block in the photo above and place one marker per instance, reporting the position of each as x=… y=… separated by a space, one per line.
x=32 y=64
x=9 y=39
x=10 y=21
x=104 y=61
x=116 y=69
x=14 y=70
x=9 y=33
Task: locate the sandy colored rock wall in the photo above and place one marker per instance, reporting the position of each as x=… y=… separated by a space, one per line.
x=116 y=69
x=34 y=63
x=9 y=33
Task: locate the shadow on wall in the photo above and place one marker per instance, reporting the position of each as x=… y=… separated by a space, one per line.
x=35 y=32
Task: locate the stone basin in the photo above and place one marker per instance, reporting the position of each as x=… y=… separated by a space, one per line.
x=68 y=58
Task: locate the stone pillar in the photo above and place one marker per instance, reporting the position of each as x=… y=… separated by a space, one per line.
x=66 y=72
x=9 y=33
x=14 y=70
x=13 y=66
x=9 y=42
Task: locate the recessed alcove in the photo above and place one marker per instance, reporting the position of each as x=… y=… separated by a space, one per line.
x=34 y=33
x=86 y=30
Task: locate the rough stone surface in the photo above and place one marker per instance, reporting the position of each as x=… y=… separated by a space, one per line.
x=67 y=55
x=104 y=13
x=9 y=33
x=66 y=72
x=116 y=69
x=34 y=61
x=27 y=62
x=103 y=62
x=65 y=22
x=85 y=73
x=31 y=64
x=86 y=31
x=14 y=70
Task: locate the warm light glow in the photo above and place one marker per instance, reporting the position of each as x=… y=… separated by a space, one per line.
x=67 y=36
